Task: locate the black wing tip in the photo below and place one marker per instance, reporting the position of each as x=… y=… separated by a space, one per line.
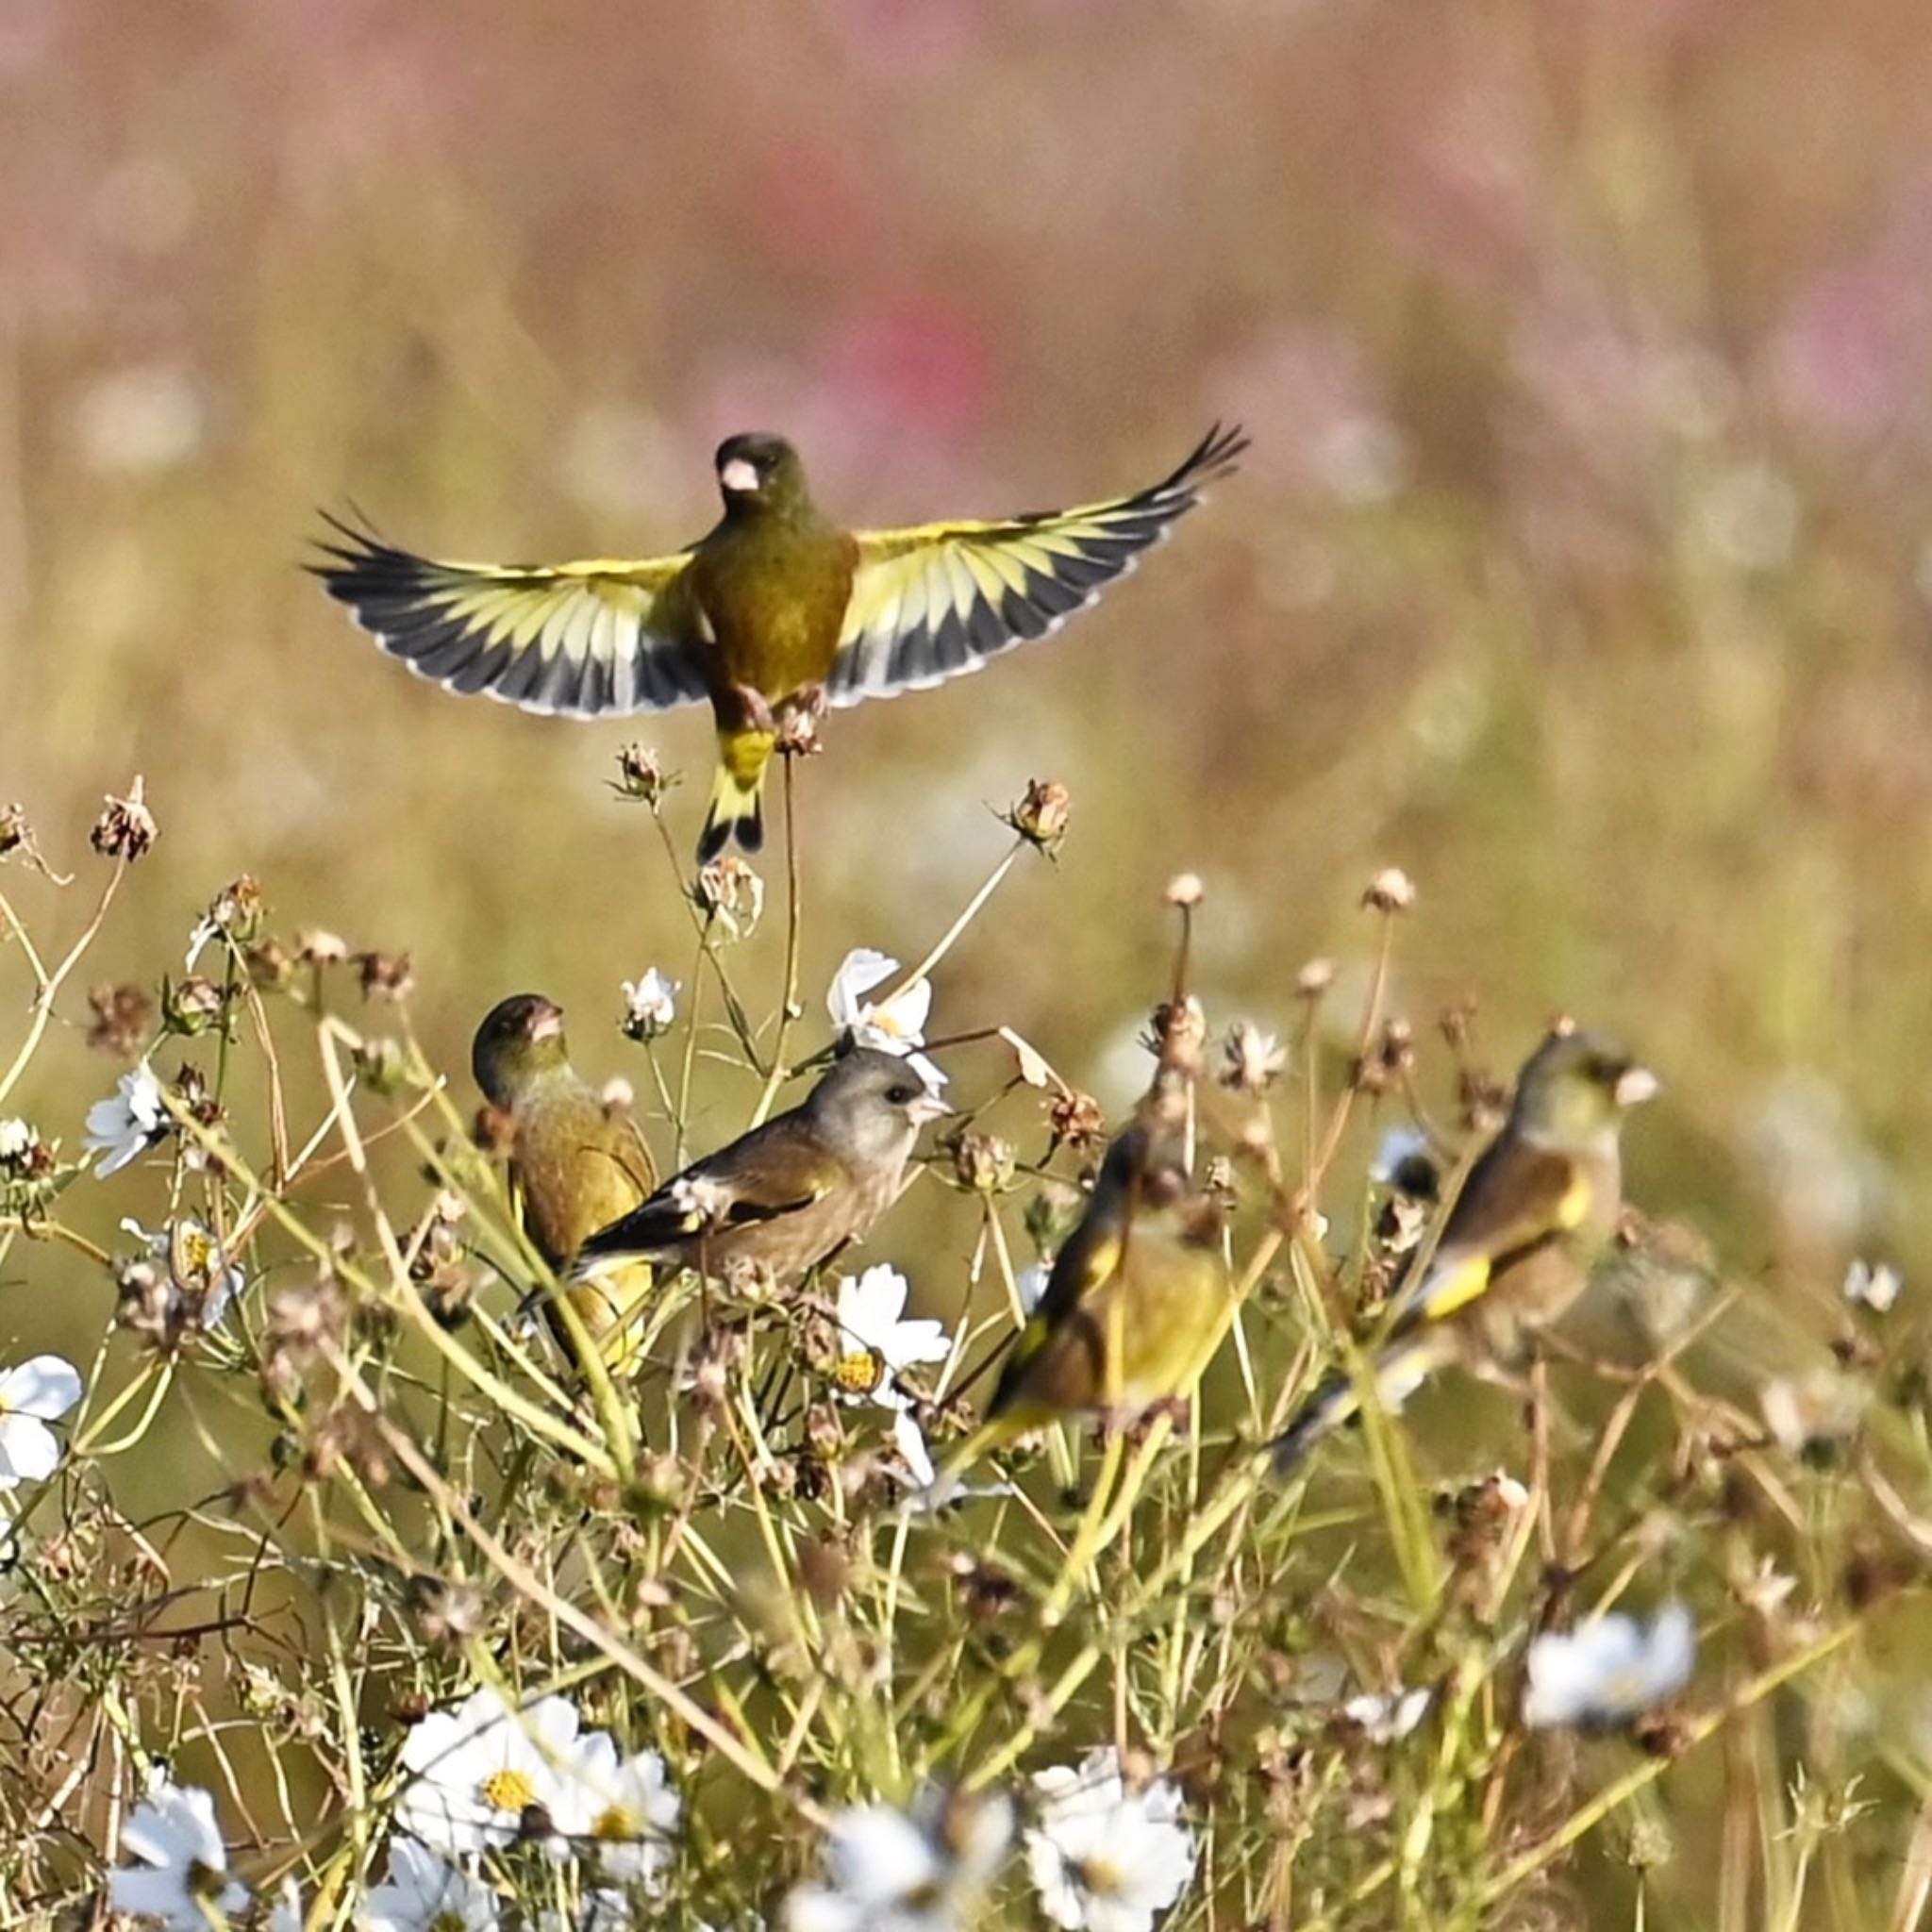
x=1217 y=453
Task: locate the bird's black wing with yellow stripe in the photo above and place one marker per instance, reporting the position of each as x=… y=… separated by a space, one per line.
x=934 y=602
x=1518 y=1198
x=588 y=639
x=773 y=1171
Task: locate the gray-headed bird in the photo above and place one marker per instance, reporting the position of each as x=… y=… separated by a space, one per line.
x=1529 y=1224
x=794 y=1191
x=576 y=1166
x=778 y=609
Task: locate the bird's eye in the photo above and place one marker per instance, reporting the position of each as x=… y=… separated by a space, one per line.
x=901 y=1094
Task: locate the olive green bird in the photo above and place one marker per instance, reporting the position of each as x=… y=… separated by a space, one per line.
x=576 y=1166
x=1521 y=1240
x=1139 y=1296
x=792 y=1192
x=778 y=609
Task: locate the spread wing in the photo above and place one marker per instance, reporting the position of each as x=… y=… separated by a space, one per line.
x=932 y=603
x=584 y=639
x=1518 y=1198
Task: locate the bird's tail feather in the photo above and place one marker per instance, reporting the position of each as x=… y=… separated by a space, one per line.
x=738 y=792
x=1399 y=1371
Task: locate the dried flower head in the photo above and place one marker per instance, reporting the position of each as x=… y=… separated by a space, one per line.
x=121 y=1017
x=650 y=1004
x=14 y=829
x=984 y=1162
x=1315 y=978
x=1075 y=1120
x=728 y=891
x=1390 y=891
x=1251 y=1060
x=126 y=828
x=386 y=976
x=192 y=1007
x=1041 y=816
x=1185 y=890
x=639 y=776
x=318 y=946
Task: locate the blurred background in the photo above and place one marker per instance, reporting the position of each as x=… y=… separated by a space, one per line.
x=1580 y=565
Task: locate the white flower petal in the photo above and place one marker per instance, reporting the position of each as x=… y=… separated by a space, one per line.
x=46 y=1387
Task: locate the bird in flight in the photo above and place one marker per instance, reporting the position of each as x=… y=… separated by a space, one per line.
x=778 y=611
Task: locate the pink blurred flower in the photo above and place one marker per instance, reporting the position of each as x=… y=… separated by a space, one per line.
x=909 y=35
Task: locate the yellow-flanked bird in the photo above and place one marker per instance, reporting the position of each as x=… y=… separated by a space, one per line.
x=1532 y=1220
x=576 y=1166
x=794 y=1191
x=1139 y=1296
x=778 y=607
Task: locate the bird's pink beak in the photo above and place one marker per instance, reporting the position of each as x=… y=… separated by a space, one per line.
x=548 y=1025
x=740 y=477
x=1635 y=1085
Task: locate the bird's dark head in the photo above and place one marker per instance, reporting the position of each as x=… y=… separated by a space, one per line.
x=760 y=471
x=1578 y=1084
x=520 y=1038
x=870 y=1105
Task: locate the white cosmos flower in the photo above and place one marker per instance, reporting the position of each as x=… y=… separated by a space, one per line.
x=197 y=1266
x=874 y=1344
x=894 y=1025
x=1101 y=1857
x=30 y=1397
x=184 y=1864
x=916 y=1870
x=424 y=1894
x=625 y=1810
x=650 y=1004
x=597 y=1911
x=1867 y=1287
x=1608 y=1671
x=16 y=1138
x=127 y=1122
x=479 y=1768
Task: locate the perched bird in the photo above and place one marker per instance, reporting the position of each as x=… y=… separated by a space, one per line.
x=778 y=608
x=575 y=1165
x=1522 y=1238
x=1139 y=1296
x=794 y=1191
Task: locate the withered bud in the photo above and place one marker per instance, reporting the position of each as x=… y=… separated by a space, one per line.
x=301 y=1320
x=270 y=966
x=730 y=892
x=639 y=775
x=1251 y=1060
x=984 y=1162
x=1178 y=1029
x=385 y=974
x=1185 y=890
x=125 y=828
x=192 y=1007
x=14 y=831
x=318 y=946
x=1397 y=1049
x=121 y=1017
x=145 y=1296
x=379 y=1062
x=236 y=910
x=448 y=1614
x=1483 y=1099
x=1314 y=979
x=617 y=1096
x=1075 y=1120
x=1390 y=891
x=1456 y=1023
x=1041 y=816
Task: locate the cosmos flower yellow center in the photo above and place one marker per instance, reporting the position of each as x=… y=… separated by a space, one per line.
x=508 y=1791
x=859 y=1373
x=616 y=1825
x=1100 y=1877
x=197 y=1251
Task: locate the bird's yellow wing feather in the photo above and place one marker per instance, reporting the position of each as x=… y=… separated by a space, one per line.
x=595 y=638
x=1517 y=1200
x=936 y=601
